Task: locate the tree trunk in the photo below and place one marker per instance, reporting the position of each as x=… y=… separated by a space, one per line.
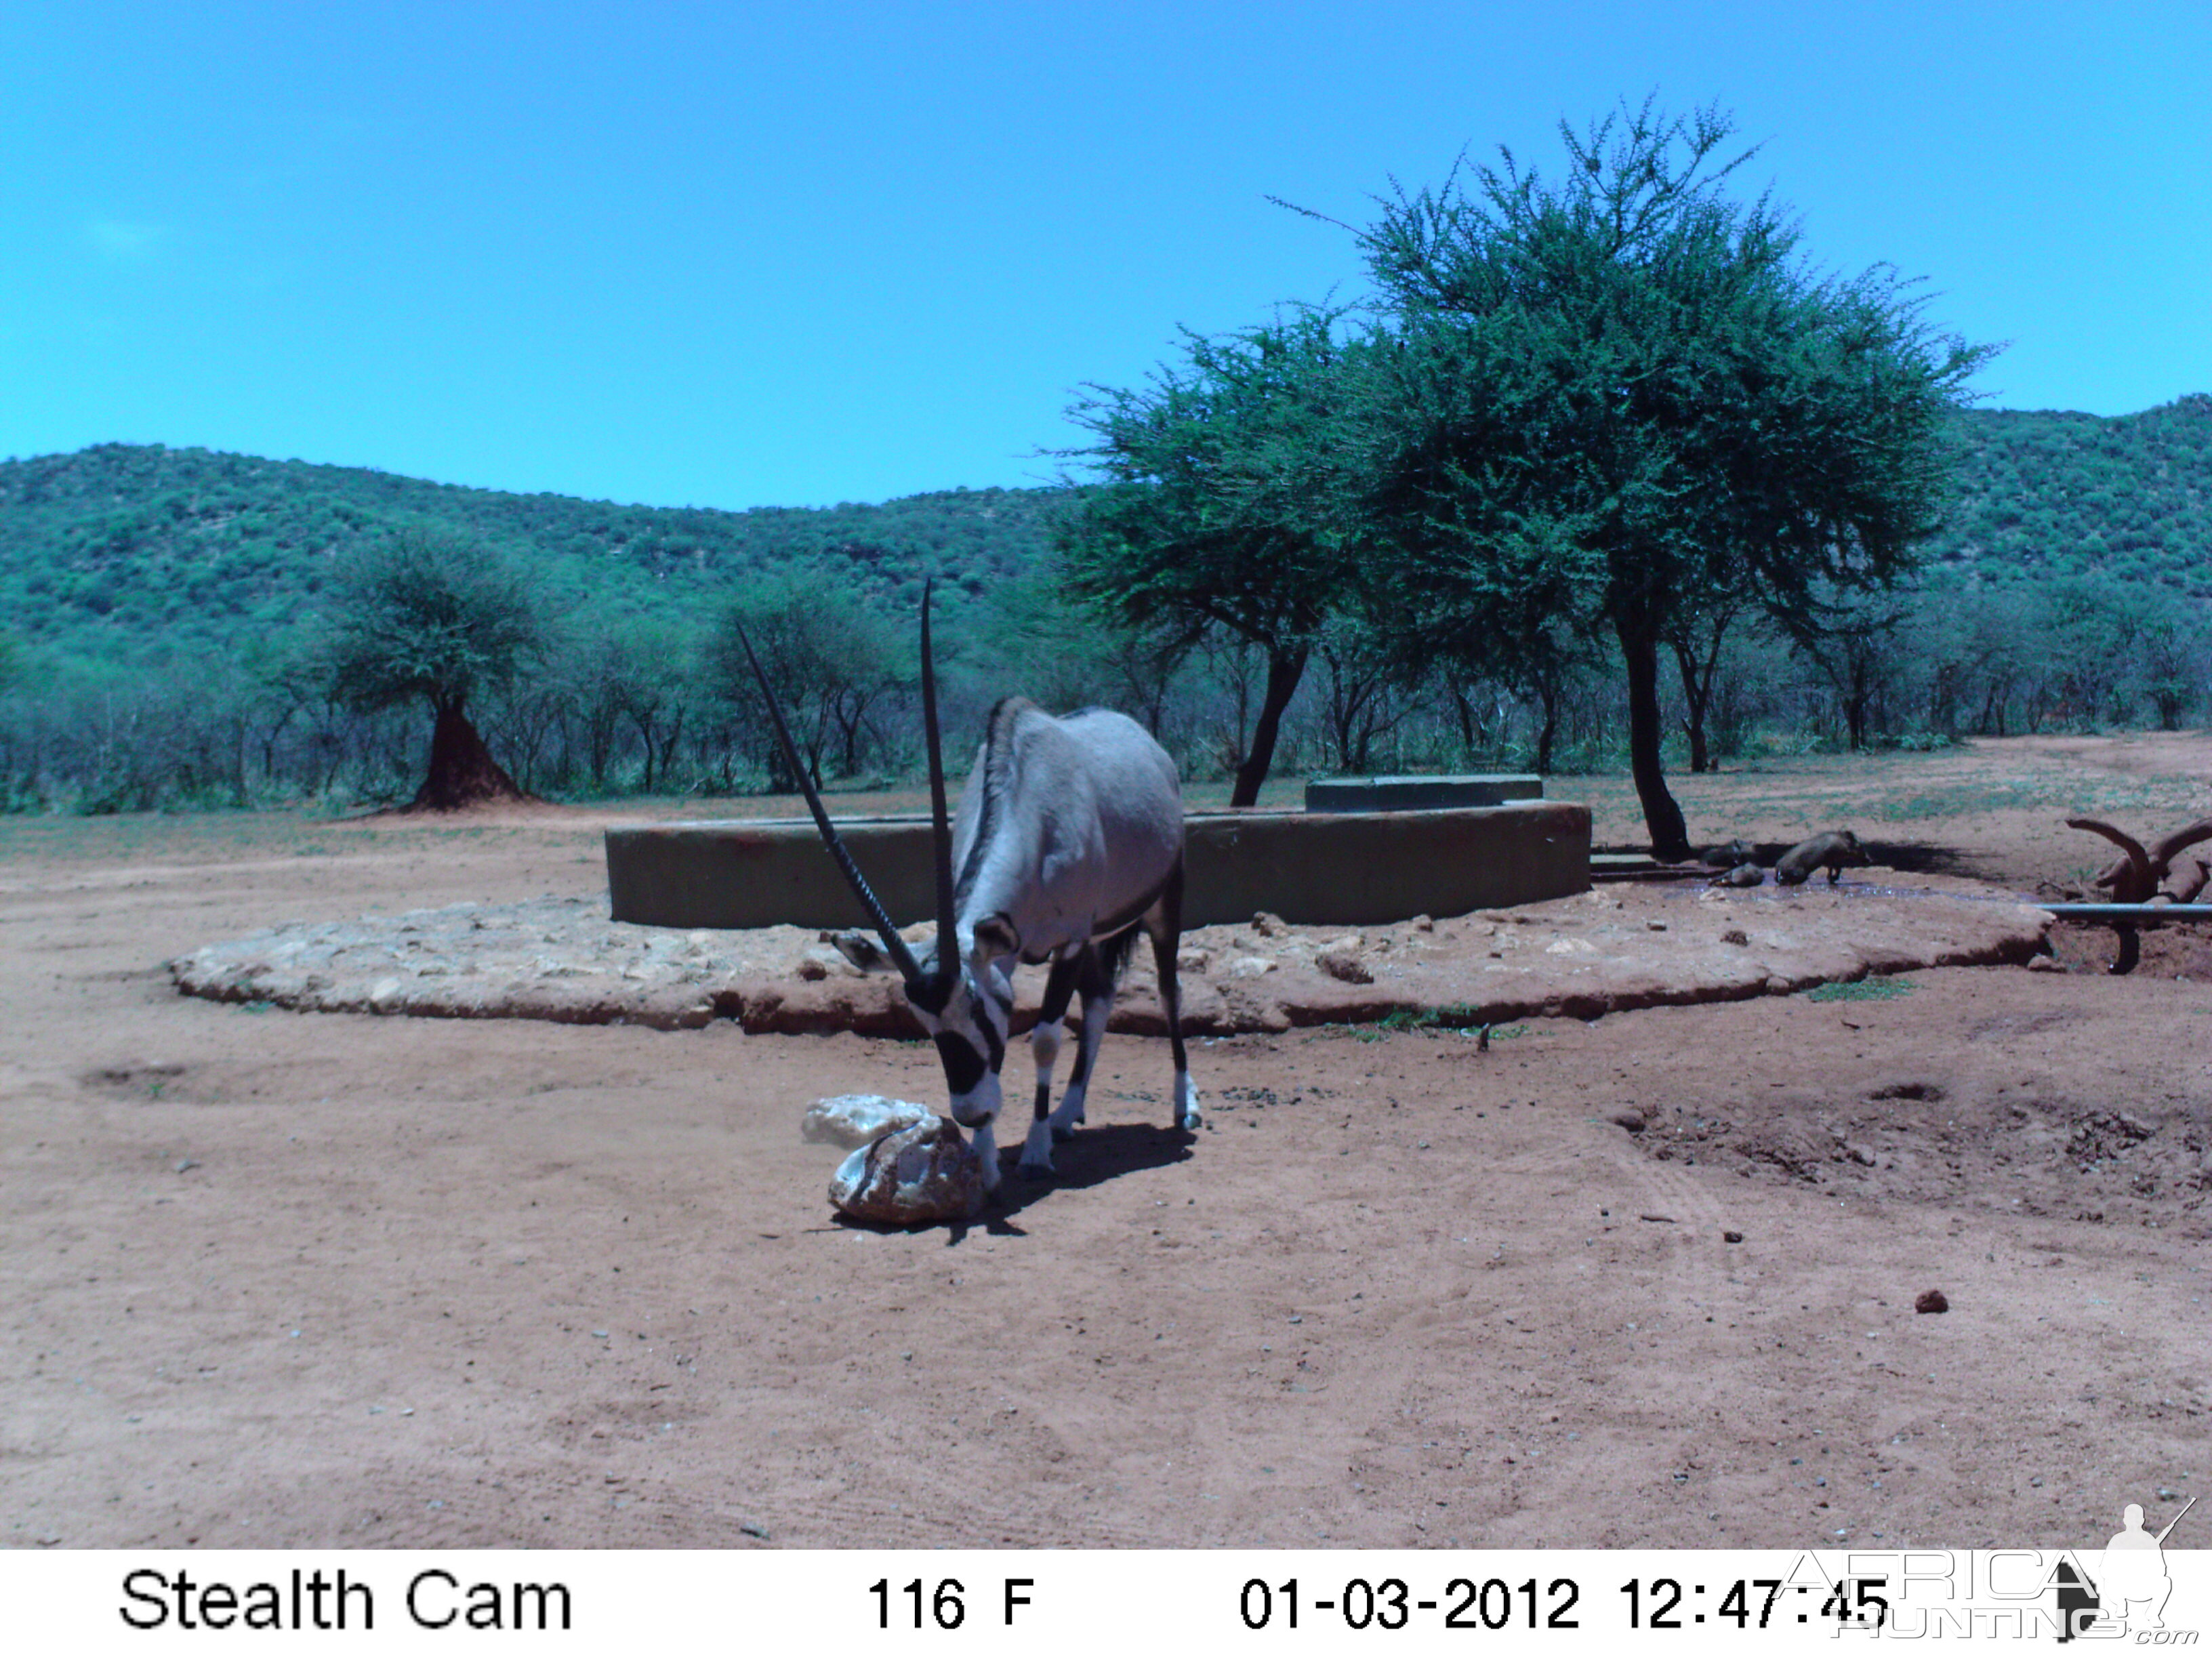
x=1858 y=693
x=1697 y=693
x=1285 y=669
x=667 y=753
x=1464 y=708
x=1640 y=648
x=1548 y=698
x=462 y=771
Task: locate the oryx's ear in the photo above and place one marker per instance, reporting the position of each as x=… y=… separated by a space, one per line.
x=996 y=937
x=860 y=949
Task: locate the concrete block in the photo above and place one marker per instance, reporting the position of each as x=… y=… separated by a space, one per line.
x=1352 y=868
x=1421 y=794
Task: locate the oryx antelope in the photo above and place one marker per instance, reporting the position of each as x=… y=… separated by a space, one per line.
x=1069 y=841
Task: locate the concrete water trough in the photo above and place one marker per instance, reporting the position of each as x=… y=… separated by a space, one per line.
x=1418 y=795
x=1324 y=868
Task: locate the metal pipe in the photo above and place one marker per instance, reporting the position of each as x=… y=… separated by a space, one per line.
x=2129 y=911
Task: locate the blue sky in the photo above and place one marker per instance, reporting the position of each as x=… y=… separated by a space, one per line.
x=736 y=256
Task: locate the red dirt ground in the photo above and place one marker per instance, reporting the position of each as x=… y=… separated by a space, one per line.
x=270 y=1279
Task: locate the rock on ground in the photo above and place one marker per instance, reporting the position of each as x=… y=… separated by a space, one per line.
x=923 y=1173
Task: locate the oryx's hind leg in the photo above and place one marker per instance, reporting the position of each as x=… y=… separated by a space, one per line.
x=1163 y=922
x=1044 y=1044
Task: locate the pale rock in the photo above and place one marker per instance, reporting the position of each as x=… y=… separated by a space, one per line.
x=1192 y=960
x=384 y=995
x=1570 y=947
x=852 y=1121
x=1269 y=925
x=1339 y=962
x=921 y=1174
x=1250 y=968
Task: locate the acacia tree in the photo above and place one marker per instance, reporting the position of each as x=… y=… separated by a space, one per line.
x=1065 y=652
x=830 y=656
x=1697 y=634
x=1226 y=507
x=420 y=619
x=1855 y=646
x=1624 y=388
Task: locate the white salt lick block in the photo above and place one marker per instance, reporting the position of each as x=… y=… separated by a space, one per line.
x=856 y=1120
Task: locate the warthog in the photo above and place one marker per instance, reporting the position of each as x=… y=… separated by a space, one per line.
x=1830 y=852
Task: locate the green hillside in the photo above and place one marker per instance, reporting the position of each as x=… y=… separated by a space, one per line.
x=2046 y=495
x=152 y=601
x=134 y=553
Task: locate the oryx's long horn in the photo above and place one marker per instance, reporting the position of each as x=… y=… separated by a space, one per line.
x=901 y=957
x=948 y=942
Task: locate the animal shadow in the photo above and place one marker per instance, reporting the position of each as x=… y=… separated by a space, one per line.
x=1906 y=858
x=1092 y=1159
x=1917 y=858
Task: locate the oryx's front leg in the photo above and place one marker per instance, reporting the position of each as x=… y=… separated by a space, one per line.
x=986 y=1144
x=1045 y=1045
x=1097 y=1003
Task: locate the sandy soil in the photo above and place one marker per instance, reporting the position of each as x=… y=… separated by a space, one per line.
x=313 y=1278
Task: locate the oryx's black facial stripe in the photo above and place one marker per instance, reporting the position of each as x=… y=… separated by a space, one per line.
x=963 y=1066
x=929 y=995
x=996 y=1043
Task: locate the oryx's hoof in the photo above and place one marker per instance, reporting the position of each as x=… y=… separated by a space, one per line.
x=1034 y=1171
x=1064 y=1133
x=1186 y=1104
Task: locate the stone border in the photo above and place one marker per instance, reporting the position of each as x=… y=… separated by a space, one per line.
x=1604 y=952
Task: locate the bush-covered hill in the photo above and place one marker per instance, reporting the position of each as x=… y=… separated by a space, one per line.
x=2048 y=494
x=155 y=651
x=129 y=552
x=137 y=553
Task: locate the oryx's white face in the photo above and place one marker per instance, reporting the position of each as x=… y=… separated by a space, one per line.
x=970 y=1032
x=966 y=1014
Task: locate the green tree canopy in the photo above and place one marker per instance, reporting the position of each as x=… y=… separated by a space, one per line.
x=438 y=622
x=1227 y=505
x=1621 y=398
x=832 y=657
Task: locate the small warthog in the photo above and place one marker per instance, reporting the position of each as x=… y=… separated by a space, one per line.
x=1744 y=875
x=1727 y=856
x=1830 y=851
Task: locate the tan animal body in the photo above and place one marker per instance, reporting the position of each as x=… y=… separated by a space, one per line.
x=1830 y=852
